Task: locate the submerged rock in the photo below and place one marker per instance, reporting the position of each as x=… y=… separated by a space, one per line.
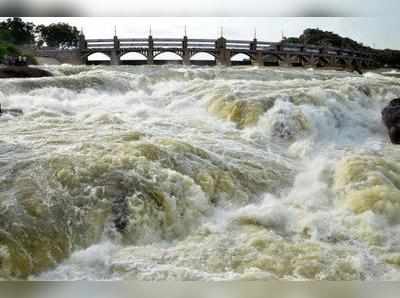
x=13 y=112
x=391 y=118
x=23 y=72
x=243 y=113
x=369 y=183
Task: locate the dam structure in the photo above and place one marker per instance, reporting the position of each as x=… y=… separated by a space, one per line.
x=221 y=50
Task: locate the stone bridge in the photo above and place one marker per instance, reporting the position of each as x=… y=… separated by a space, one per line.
x=223 y=50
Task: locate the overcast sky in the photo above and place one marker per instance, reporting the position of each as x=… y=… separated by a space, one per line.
x=381 y=32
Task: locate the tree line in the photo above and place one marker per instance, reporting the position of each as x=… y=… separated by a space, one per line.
x=326 y=38
x=15 y=31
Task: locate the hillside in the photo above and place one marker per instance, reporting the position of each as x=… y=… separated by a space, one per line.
x=326 y=38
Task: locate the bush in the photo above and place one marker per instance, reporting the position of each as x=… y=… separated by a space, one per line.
x=8 y=49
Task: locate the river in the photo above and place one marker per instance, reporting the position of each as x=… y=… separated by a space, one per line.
x=198 y=173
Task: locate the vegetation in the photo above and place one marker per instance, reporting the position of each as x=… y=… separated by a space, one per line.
x=58 y=35
x=326 y=38
x=17 y=32
x=7 y=49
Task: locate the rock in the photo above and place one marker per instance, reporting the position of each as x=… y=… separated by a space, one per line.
x=391 y=118
x=23 y=72
x=13 y=112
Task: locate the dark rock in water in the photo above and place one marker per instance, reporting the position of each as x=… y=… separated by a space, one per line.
x=357 y=70
x=120 y=213
x=391 y=118
x=117 y=190
x=13 y=112
x=23 y=72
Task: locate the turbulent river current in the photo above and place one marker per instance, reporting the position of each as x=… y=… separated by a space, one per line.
x=198 y=173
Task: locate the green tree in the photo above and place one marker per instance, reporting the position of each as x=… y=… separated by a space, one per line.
x=59 y=35
x=16 y=31
x=291 y=40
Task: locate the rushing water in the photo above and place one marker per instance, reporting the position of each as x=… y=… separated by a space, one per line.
x=175 y=173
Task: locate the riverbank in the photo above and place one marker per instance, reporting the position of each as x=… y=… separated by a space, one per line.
x=22 y=72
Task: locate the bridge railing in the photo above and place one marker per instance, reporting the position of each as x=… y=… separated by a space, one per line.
x=238 y=44
x=99 y=43
x=201 y=43
x=133 y=42
x=266 y=46
x=167 y=43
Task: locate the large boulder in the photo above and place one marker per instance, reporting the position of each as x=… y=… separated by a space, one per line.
x=23 y=72
x=391 y=118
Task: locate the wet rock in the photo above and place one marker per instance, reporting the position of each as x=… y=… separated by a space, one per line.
x=12 y=112
x=23 y=72
x=117 y=189
x=391 y=118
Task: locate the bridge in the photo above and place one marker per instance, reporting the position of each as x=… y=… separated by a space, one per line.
x=222 y=50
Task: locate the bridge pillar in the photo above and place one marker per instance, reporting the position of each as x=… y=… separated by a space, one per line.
x=82 y=42
x=84 y=60
x=223 y=57
x=116 y=43
x=259 y=59
x=186 y=54
x=253 y=45
x=332 y=60
x=115 y=57
x=222 y=53
x=285 y=60
x=115 y=52
x=150 y=53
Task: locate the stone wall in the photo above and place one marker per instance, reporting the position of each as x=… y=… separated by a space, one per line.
x=69 y=56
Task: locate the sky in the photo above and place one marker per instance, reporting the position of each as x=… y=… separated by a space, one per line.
x=378 y=32
x=205 y=8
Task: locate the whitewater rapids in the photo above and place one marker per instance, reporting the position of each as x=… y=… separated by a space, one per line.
x=198 y=173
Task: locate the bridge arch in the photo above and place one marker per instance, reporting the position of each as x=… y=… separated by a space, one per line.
x=97 y=58
x=271 y=59
x=98 y=55
x=240 y=56
x=167 y=55
x=132 y=56
x=202 y=56
x=241 y=59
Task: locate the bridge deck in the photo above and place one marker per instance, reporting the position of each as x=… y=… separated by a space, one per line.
x=223 y=50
